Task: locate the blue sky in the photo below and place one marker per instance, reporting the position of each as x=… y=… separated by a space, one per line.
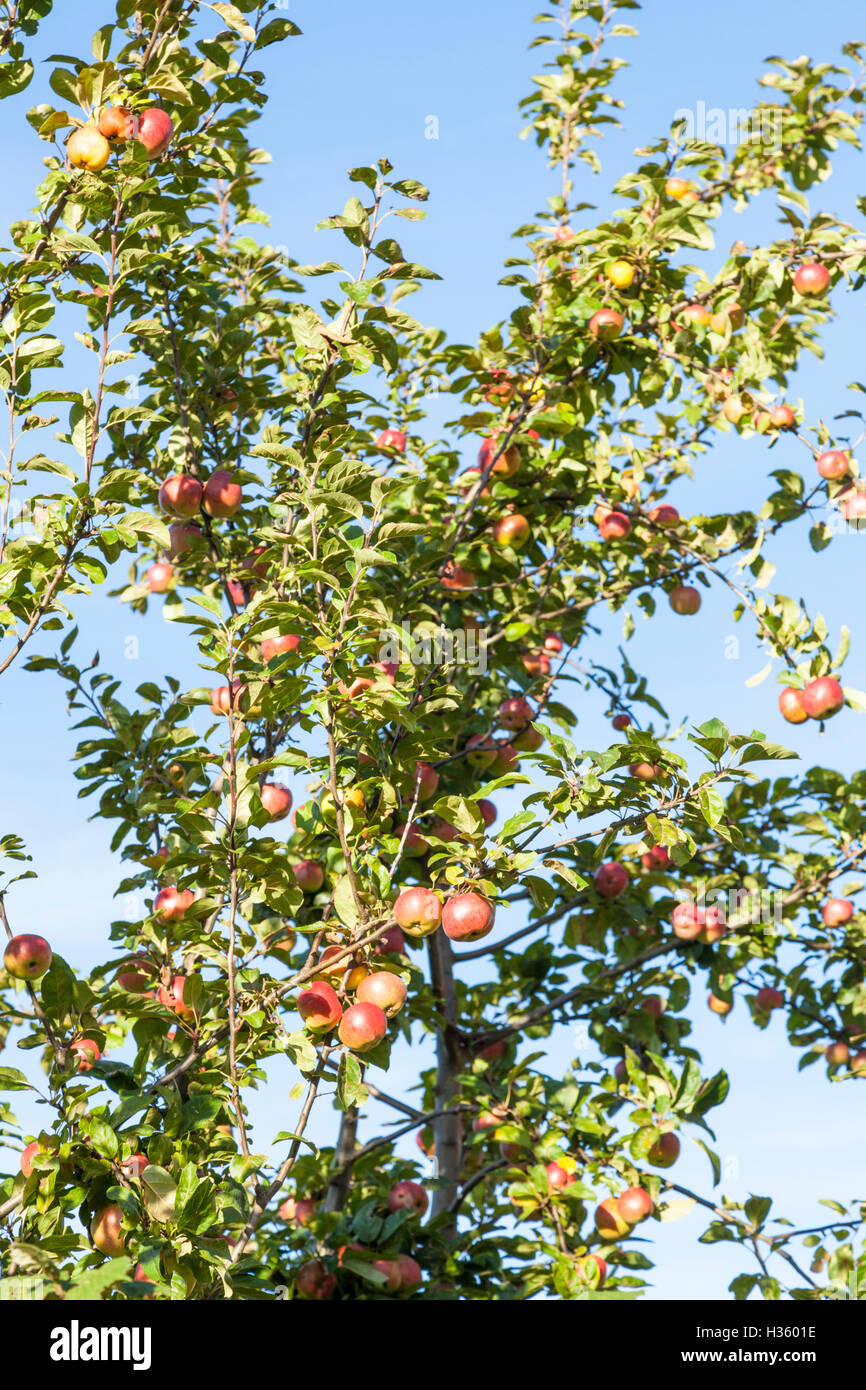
x=363 y=82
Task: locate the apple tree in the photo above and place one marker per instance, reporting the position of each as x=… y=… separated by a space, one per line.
x=389 y=641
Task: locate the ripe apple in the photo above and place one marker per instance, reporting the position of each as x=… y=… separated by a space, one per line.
x=512 y=531
x=391 y=442
x=418 y=911
x=621 y=721
x=812 y=279
x=782 y=417
x=645 y=772
x=467 y=917
x=313 y=1281
x=27 y=957
x=665 y=1151
x=408 y=1196
x=606 y=324
x=182 y=536
x=719 y=1006
x=86 y=148
x=653 y=1005
x=791 y=705
x=392 y=942
x=536 y=663
x=457 y=579
x=676 y=188
x=27 y=1156
x=159 y=577
x=734 y=408
x=384 y=989
x=837 y=1054
x=116 y=123
x=731 y=314
x=553 y=643
x=277 y=646
x=858 y=1063
x=173 y=997
x=609 y=1220
x=222 y=496
x=107 y=1230
x=225 y=698
x=134 y=1166
x=592 y=1270
x=612 y=525
x=558 y=1177
x=506 y=464
x=86 y=1051
x=837 y=911
x=155 y=131
x=685 y=598
x=664 y=515
x=634 y=1205
x=319 y=1007
x=299 y=1210
x=172 y=904
x=481 y=750
x=822 y=698
x=276 y=800
x=181 y=495
x=852 y=504
x=696 y=314
x=529 y=741
x=488 y=811
x=493 y=1051
x=610 y=879
x=688 y=921
x=515 y=713
x=768 y=999
x=410 y=1272
x=362 y=1026
x=656 y=859
x=425 y=781
x=134 y=978
x=621 y=274
x=309 y=875
x=833 y=464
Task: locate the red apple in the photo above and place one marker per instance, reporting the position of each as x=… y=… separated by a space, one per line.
x=654 y=1005
x=837 y=911
x=634 y=1205
x=312 y=1281
x=592 y=1270
x=768 y=999
x=155 y=131
x=645 y=772
x=308 y=875
x=86 y=1051
x=782 y=417
x=107 y=1230
x=609 y=1220
x=664 y=515
x=684 y=599
x=391 y=441
x=172 y=904
x=418 y=911
x=717 y=1005
x=384 y=989
x=159 y=578
x=392 y=942
x=467 y=917
x=173 y=997
x=812 y=279
x=224 y=698
x=822 y=698
x=553 y=643
x=621 y=721
x=852 y=504
x=612 y=525
x=606 y=325
x=134 y=977
x=408 y=1196
x=457 y=579
x=425 y=781
x=183 y=535
x=656 y=859
x=181 y=495
x=558 y=1177
x=791 y=705
x=319 y=1007
x=697 y=315
x=833 y=464
x=506 y=464
x=488 y=811
x=27 y=957
x=610 y=879
x=362 y=1026
x=409 y=1271
x=134 y=1166
x=665 y=1151
x=512 y=531
x=276 y=646
x=222 y=496
x=276 y=800
x=837 y=1054
x=27 y=1156
x=480 y=750
x=515 y=713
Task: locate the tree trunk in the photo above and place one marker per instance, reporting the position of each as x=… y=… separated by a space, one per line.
x=338 y=1187
x=447 y=1129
